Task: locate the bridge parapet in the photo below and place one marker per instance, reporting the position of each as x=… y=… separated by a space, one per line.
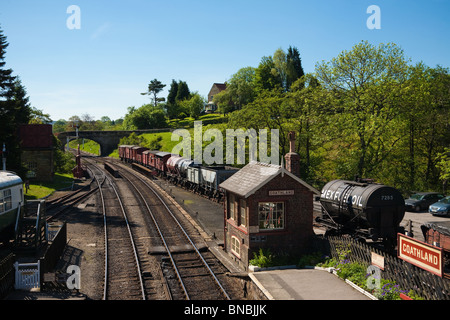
x=108 y=140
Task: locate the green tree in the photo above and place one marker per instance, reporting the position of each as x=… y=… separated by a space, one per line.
x=269 y=110
x=224 y=101
x=194 y=106
x=146 y=117
x=6 y=78
x=364 y=85
x=179 y=91
x=280 y=67
x=183 y=92
x=304 y=113
x=39 y=117
x=242 y=86
x=294 y=69
x=443 y=164
x=60 y=126
x=265 y=79
x=171 y=106
x=15 y=109
x=155 y=86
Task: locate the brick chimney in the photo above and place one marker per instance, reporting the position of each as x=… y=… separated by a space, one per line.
x=292 y=158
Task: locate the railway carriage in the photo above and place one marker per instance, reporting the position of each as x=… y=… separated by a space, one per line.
x=11 y=203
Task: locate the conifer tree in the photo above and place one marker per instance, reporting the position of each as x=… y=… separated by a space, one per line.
x=14 y=109
x=294 y=67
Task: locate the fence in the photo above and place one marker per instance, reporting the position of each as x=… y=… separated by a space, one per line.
x=406 y=275
x=57 y=240
x=27 y=276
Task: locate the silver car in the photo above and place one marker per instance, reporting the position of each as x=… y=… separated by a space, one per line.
x=440 y=208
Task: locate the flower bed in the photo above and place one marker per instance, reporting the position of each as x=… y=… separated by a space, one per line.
x=357 y=273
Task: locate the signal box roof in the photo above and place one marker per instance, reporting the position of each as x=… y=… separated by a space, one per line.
x=255 y=175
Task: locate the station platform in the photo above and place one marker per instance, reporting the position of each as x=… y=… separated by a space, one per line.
x=304 y=284
x=281 y=284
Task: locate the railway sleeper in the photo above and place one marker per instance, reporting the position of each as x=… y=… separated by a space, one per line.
x=187 y=248
x=196 y=275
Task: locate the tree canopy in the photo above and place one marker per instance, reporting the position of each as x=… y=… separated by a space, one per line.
x=15 y=108
x=155 y=86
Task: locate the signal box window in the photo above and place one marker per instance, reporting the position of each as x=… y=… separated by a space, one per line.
x=271 y=215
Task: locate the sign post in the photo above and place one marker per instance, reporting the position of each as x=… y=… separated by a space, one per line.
x=420 y=254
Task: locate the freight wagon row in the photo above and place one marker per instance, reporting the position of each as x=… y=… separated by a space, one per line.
x=204 y=180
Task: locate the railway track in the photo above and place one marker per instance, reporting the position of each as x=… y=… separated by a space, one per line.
x=123 y=276
x=189 y=273
x=150 y=252
x=59 y=205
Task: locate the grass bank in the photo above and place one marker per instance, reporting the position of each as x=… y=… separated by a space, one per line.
x=40 y=190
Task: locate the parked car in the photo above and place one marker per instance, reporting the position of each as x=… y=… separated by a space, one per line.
x=440 y=208
x=421 y=200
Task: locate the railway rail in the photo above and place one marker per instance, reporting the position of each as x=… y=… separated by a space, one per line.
x=188 y=271
x=59 y=205
x=151 y=251
x=123 y=276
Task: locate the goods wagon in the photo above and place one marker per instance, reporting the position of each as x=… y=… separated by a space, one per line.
x=438 y=234
x=364 y=209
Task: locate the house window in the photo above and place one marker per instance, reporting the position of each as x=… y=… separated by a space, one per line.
x=236 y=246
x=243 y=212
x=271 y=215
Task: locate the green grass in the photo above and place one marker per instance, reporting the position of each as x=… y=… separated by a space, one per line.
x=166 y=143
x=88 y=146
x=40 y=190
x=189 y=122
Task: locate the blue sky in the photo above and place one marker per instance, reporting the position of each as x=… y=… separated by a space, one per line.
x=102 y=68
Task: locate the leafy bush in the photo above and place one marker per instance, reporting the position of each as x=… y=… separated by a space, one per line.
x=263 y=259
x=311 y=259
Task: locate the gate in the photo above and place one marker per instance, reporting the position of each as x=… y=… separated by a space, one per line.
x=27 y=276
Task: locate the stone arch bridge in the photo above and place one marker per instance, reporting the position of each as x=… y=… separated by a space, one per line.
x=108 y=140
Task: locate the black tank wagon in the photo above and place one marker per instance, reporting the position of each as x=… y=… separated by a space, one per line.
x=363 y=209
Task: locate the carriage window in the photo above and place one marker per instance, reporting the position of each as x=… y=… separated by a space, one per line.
x=7 y=199
x=271 y=215
x=2 y=204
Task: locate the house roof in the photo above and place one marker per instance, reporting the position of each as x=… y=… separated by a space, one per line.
x=255 y=175
x=220 y=86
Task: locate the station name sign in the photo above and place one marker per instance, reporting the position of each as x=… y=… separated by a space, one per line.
x=420 y=254
x=281 y=192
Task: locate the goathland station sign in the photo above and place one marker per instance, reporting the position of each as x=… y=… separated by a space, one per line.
x=420 y=254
